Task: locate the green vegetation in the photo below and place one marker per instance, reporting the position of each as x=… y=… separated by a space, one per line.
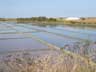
x=8 y=19
x=91 y=22
x=36 y=19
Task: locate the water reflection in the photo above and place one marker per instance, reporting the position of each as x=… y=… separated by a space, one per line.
x=20 y=44
x=59 y=35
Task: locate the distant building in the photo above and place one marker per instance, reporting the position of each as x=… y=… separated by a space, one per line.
x=72 y=18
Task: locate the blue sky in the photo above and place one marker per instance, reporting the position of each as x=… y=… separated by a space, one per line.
x=49 y=8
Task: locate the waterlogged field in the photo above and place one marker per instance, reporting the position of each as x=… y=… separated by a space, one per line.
x=49 y=48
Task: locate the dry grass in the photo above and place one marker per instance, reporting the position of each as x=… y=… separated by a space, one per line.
x=60 y=62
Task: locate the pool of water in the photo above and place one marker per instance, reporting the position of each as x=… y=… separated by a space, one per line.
x=15 y=36
x=20 y=44
x=55 y=39
x=80 y=34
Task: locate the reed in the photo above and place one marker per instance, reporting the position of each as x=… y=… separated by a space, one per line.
x=59 y=62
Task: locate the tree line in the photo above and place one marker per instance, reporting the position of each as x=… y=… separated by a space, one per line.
x=36 y=19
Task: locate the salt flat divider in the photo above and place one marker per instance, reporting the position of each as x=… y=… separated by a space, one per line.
x=63 y=51
x=71 y=31
x=15 y=38
x=17 y=32
x=42 y=41
x=82 y=40
x=24 y=51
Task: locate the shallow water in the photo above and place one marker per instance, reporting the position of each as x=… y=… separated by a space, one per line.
x=59 y=41
x=80 y=34
x=20 y=44
x=12 y=36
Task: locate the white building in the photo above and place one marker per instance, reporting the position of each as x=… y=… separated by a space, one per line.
x=72 y=18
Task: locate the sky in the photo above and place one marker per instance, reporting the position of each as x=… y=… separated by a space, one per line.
x=48 y=8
